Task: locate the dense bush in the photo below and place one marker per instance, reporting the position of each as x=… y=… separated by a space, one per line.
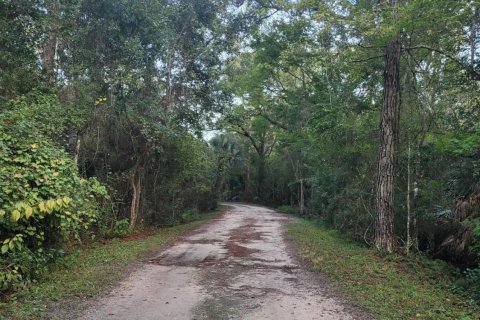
x=43 y=201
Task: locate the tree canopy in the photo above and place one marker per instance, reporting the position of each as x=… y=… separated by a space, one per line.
x=125 y=114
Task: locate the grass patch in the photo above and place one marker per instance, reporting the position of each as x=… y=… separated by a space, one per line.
x=391 y=287
x=88 y=272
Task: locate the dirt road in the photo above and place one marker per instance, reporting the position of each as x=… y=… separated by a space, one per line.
x=238 y=266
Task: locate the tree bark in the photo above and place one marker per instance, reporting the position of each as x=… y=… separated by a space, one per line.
x=49 y=48
x=302 y=198
x=384 y=235
x=219 y=178
x=135 y=182
x=409 y=213
x=77 y=149
x=49 y=54
x=261 y=177
x=247 y=191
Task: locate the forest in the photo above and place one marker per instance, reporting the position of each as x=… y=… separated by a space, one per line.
x=125 y=115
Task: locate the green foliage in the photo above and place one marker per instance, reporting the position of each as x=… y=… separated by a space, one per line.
x=309 y=91
x=189 y=215
x=87 y=271
x=135 y=83
x=19 y=73
x=391 y=287
x=458 y=144
x=120 y=229
x=287 y=209
x=187 y=168
x=472 y=283
x=43 y=200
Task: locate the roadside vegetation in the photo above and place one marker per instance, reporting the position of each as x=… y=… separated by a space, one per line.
x=98 y=138
x=89 y=271
x=364 y=114
x=123 y=115
x=388 y=286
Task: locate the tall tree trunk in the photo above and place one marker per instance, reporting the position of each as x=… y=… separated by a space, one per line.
x=409 y=213
x=135 y=182
x=219 y=179
x=261 y=177
x=302 y=198
x=408 y=244
x=77 y=148
x=247 y=191
x=49 y=54
x=384 y=235
x=416 y=184
x=49 y=47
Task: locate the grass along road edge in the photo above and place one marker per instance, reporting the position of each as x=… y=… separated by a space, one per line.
x=89 y=272
x=391 y=287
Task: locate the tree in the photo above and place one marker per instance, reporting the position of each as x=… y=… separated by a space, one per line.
x=227 y=153
x=19 y=22
x=390 y=115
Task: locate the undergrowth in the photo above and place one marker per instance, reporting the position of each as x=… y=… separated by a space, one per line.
x=389 y=287
x=87 y=272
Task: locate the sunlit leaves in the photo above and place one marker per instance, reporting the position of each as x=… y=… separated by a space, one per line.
x=16 y=215
x=43 y=199
x=28 y=212
x=10 y=244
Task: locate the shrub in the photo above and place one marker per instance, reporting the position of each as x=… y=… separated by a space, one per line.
x=122 y=228
x=189 y=215
x=472 y=286
x=287 y=209
x=43 y=201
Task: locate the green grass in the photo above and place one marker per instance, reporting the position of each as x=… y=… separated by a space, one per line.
x=390 y=287
x=86 y=273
